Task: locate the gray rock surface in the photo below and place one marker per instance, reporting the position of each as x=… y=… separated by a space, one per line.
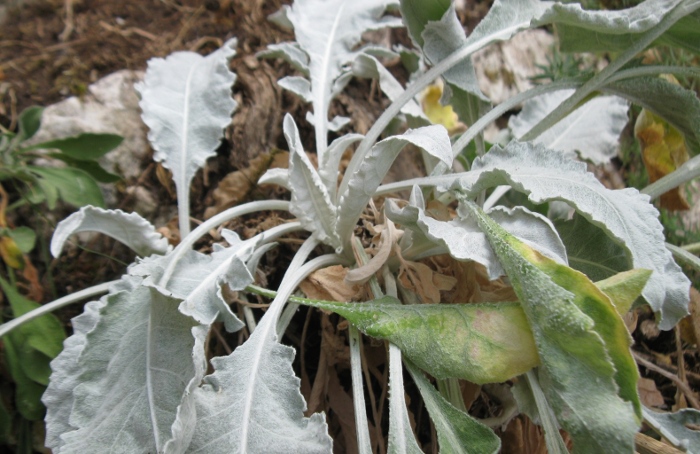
x=110 y=106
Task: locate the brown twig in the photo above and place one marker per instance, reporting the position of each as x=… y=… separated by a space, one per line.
x=692 y=400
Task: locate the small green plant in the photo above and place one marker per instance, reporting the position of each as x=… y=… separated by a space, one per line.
x=133 y=376
x=28 y=350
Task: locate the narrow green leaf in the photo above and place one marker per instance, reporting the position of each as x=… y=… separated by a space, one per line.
x=29 y=122
x=92 y=168
x=588 y=374
x=84 y=147
x=401 y=438
x=482 y=343
x=27 y=392
x=44 y=333
x=675 y=104
x=73 y=186
x=457 y=431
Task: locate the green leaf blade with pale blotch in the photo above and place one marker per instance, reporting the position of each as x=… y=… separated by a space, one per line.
x=482 y=343
x=588 y=374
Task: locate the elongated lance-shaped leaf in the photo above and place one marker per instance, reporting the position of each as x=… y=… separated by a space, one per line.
x=582 y=30
x=457 y=432
x=675 y=104
x=626 y=216
x=401 y=438
x=311 y=202
x=328 y=32
x=133 y=390
x=588 y=374
x=482 y=343
x=374 y=167
x=186 y=102
x=252 y=402
x=593 y=129
x=130 y=229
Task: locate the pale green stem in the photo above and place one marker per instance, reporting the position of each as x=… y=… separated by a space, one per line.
x=449 y=389
x=683 y=174
x=55 y=305
x=362 y=425
x=507 y=105
x=411 y=91
x=684 y=256
x=653 y=70
x=232 y=213
x=693 y=248
x=555 y=444
x=600 y=79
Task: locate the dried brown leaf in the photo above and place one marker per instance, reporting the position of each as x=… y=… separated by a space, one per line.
x=690 y=325
x=425 y=282
x=236 y=186
x=649 y=393
x=330 y=284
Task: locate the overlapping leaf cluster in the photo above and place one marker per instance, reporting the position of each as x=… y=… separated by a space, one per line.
x=132 y=376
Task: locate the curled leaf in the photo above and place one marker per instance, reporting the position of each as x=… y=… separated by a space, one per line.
x=663 y=151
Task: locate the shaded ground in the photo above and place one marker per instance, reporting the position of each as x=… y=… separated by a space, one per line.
x=50 y=50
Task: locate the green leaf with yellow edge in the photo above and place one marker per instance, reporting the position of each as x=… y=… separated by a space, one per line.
x=482 y=343
x=588 y=374
x=624 y=288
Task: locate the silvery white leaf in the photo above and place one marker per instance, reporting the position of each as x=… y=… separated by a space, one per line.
x=401 y=438
x=444 y=37
x=464 y=240
x=297 y=85
x=338 y=123
x=637 y=19
x=310 y=203
x=676 y=427
x=281 y=19
x=593 y=129
x=197 y=279
x=66 y=368
x=275 y=176
x=290 y=52
x=374 y=167
x=369 y=67
x=328 y=169
x=186 y=102
x=133 y=390
x=625 y=215
x=252 y=403
x=328 y=32
x=130 y=229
